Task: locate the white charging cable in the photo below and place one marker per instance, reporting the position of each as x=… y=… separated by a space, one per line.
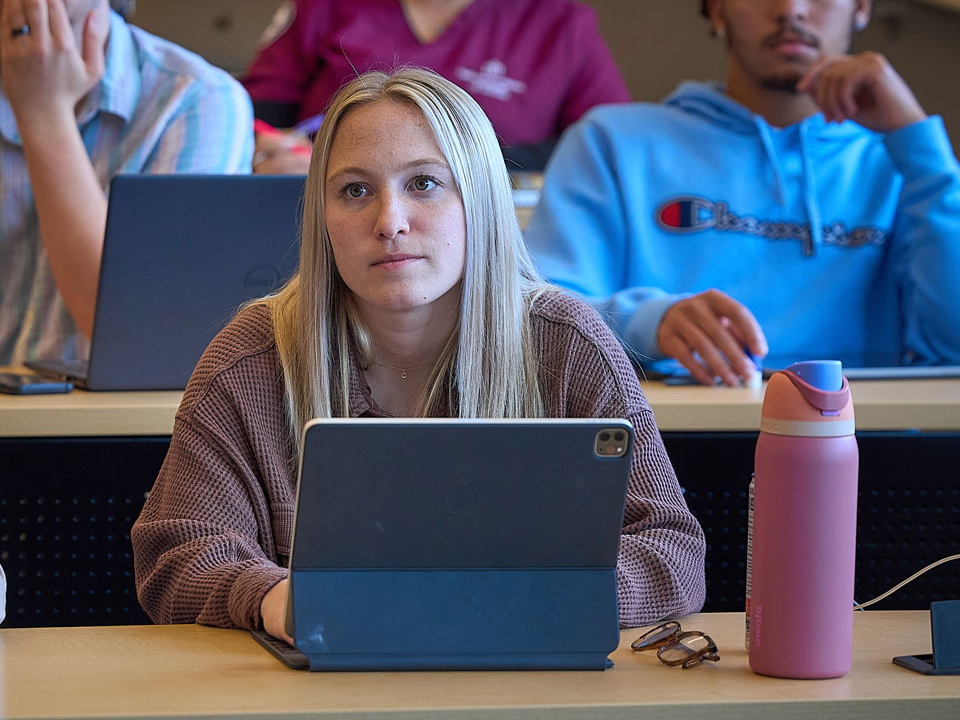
x=941 y=561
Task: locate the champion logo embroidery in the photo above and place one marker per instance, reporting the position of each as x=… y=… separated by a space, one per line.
x=491 y=80
x=685 y=215
x=689 y=213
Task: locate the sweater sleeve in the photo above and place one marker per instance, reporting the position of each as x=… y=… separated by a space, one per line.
x=580 y=236
x=198 y=543
x=660 y=568
x=927 y=235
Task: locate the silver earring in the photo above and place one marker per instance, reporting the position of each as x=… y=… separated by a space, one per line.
x=719 y=32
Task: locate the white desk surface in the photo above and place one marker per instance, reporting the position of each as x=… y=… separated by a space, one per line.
x=187 y=671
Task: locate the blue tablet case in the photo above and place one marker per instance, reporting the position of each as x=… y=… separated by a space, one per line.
x=456 y=544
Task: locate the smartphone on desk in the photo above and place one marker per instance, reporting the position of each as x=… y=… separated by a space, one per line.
x=30 y=384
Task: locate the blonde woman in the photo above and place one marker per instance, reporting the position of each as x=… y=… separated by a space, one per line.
x=415 y=297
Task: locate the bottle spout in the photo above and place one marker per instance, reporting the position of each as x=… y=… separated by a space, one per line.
x=826 y=375
x=822 y=384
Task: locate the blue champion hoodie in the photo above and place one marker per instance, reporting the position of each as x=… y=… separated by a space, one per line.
x=841 y=241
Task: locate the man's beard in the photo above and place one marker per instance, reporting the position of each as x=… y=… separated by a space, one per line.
x=787 y=81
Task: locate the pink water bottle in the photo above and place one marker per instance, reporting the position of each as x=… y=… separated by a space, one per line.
x=803 y=526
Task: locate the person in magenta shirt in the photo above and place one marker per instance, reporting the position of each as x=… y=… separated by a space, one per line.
x=534 y=66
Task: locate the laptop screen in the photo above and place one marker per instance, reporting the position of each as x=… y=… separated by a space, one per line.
x=181 y=254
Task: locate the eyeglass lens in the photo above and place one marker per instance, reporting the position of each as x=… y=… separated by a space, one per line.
x=674 y=647
x=657 y=637
x=688 y=649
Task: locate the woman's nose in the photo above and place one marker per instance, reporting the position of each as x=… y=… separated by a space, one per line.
x=391 y=217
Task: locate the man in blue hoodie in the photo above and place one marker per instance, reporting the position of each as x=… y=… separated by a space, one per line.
x=807 y=207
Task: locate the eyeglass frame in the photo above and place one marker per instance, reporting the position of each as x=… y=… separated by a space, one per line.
x=674 y=639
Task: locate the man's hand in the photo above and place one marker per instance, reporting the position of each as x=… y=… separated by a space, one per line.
x=718 y=329
x=273 y=608
x=864 y=88
x=44 y=73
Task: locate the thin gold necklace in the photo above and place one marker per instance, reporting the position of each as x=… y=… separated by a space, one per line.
x=403 y=371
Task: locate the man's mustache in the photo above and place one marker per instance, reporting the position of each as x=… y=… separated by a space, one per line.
x=793 y=32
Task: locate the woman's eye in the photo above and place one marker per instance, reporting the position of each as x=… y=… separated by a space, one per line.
x=424 y=183
x=355 y=190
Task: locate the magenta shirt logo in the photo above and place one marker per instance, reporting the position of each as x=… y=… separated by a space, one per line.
x=491 y=80
x=280 y=22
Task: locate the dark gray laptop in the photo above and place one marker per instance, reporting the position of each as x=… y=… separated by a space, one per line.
x=856 y=366
x=869 y=366
x=456 y=545
x=181 y=254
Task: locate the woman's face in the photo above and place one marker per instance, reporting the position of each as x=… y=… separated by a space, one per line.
x=394 y=214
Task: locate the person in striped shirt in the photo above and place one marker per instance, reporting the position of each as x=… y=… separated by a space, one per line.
x=85 y=97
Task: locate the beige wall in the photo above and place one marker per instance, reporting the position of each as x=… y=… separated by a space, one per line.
x=657 y=43
x=223 y=31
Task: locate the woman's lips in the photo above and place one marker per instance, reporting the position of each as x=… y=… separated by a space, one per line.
x=395 y=261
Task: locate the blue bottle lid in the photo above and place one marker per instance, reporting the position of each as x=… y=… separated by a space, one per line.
x=826 y=375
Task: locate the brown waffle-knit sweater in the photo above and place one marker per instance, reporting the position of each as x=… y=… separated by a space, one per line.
x=214 y=535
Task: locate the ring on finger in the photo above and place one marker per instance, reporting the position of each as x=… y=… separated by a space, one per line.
x=21 y=31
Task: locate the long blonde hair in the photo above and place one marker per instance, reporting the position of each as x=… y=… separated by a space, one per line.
x=489 y=366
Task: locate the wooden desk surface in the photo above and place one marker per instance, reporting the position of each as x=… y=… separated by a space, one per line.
x=929 y=404
x=81 y=413
x=198 y=672
x=880 y=405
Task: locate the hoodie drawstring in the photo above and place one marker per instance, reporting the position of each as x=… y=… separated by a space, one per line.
x=764 y=130
x=814 y=238
x=813 y=243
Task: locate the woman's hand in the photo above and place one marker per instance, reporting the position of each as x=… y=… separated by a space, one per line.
x=281 y=153
x=273 y=610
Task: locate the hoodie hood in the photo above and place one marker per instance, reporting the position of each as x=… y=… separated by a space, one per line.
x=708 y=102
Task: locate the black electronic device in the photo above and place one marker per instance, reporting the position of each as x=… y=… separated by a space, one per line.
x=945 y=631
x=13 y=383
x=449 y=544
